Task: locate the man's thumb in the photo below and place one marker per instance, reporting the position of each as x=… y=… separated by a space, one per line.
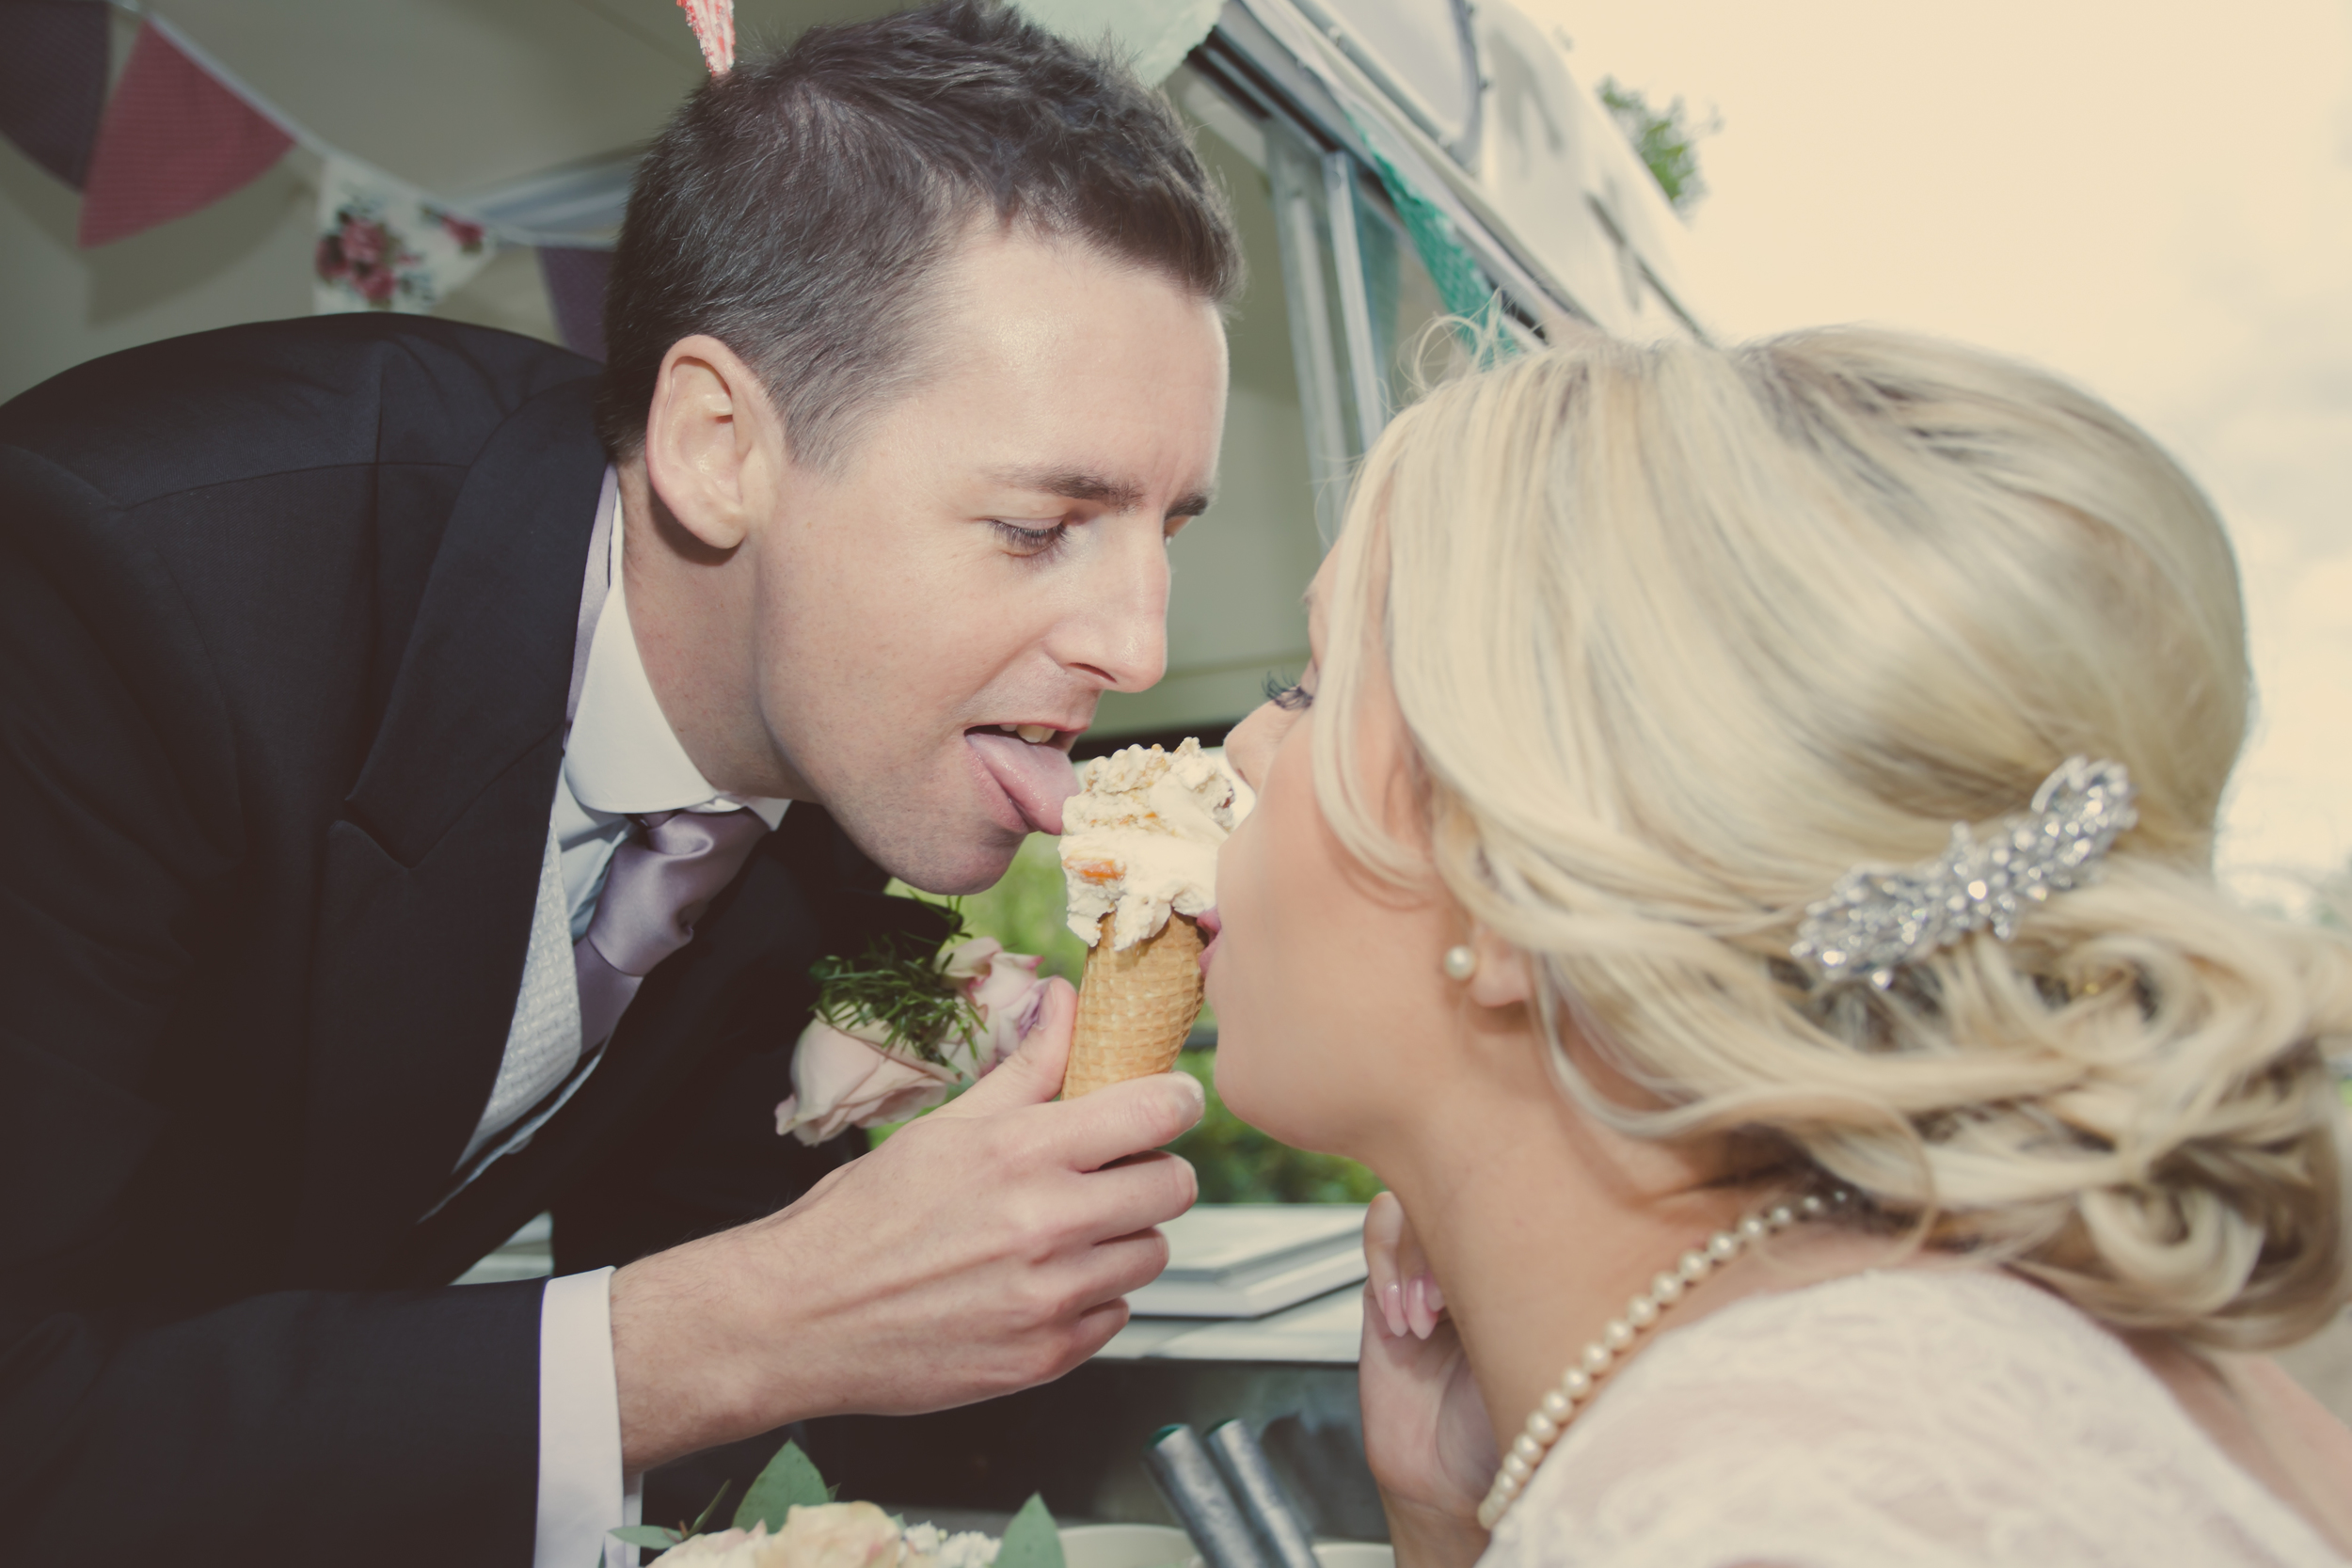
x=1032 y=1074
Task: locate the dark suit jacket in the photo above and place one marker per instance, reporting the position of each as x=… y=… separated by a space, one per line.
x=286 y=626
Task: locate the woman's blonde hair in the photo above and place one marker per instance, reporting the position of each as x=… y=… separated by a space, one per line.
x=1681 y=634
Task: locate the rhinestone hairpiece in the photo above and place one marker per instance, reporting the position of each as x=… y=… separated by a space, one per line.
x=1873 y=921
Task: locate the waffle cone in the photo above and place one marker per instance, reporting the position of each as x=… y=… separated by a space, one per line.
x=1135 y=1007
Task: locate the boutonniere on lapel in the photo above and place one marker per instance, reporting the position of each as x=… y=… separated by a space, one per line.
x=900 y=1025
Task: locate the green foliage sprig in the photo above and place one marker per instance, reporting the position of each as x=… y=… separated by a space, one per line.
x=898 y=984
x=1666 y=139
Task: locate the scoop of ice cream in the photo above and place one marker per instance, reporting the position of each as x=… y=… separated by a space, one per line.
x=1139 y=839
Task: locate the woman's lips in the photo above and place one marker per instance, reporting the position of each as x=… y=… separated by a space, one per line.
x=1209 y=923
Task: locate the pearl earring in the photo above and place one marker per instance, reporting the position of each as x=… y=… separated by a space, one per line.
x=1461 y=962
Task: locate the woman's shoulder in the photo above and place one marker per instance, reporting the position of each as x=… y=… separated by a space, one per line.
x=1931 y=1416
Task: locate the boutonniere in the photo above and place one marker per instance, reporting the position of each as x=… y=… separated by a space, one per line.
x=898 y=1027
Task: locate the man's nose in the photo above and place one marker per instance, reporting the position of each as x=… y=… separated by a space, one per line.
x=1119 y=629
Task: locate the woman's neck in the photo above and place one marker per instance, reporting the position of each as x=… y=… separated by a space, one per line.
x=1543 y=1234
x=1541 y=1225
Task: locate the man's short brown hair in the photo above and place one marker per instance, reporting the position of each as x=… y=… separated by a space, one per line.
x=796 y=207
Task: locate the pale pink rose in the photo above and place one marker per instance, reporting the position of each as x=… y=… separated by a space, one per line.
x=1006 y=990
x=845 y=1078
x=728 y=1548
x=835 y=1535
x=842 y=1079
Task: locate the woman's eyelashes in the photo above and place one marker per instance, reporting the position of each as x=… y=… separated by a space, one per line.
x=1290 y=696
x=1030 y=542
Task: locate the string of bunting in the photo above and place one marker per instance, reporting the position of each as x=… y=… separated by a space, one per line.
x=181 y=132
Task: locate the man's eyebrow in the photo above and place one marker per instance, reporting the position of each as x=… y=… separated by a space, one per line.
x=1115 y=495
x=1118 y=495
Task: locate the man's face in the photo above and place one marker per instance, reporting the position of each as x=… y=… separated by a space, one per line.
x=990 y=556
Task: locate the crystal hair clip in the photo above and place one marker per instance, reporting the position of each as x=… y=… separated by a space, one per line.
x=1874 y=920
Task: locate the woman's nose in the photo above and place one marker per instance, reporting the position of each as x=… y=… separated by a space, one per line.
x=1250 y=745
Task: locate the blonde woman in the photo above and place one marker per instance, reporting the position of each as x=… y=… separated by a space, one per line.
x=1792 y=1180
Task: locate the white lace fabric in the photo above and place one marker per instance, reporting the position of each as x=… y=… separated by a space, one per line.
x=1924 y=1417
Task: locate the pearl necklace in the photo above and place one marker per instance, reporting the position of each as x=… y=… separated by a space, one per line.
x=1576 y=1388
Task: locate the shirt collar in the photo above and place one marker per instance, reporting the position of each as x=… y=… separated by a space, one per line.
x=622 y=756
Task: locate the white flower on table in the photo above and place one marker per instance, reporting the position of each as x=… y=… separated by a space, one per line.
x=830 y=1535
x=929 y=1546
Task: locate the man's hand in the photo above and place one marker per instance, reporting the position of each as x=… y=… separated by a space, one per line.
x=983 y=1249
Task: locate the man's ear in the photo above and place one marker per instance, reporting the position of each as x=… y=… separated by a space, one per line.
x=1501 y=979
x=714 y=448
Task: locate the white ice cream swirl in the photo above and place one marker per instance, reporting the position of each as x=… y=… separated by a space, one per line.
x=1141 y=839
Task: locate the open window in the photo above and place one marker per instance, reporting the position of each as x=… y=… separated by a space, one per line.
x=1339 y=328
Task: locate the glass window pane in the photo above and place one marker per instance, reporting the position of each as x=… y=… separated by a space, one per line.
x=1418 y=45
x=1234 y=614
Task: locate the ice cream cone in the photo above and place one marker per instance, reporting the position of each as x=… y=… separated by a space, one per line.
x=1134 y=1007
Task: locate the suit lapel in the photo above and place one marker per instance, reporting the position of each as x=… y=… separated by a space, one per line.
x=741 y=985
x=425 y=907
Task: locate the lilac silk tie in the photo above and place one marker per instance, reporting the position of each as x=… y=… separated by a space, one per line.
x=666 y=873
x=661 y=881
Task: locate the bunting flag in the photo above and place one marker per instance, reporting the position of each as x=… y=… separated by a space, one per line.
x=713 y=22
x=576 y=280
x=52 y=81
x=182 y=132
x=174 y=141
x=385 y=245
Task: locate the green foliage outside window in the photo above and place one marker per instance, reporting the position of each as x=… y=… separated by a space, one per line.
x=1236 y=1163
x=1667 y=140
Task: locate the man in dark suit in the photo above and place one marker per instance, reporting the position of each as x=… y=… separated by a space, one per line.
x=366 y=685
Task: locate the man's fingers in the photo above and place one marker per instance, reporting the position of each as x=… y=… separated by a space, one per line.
x=1130 y=1263
x=1123 y=1264
x=1032 y=1074
x=1136 y=1195
x=1126 y=1118
x=1098 y=1325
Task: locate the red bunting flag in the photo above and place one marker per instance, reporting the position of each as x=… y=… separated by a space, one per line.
x=713 y=22
x=174 y=141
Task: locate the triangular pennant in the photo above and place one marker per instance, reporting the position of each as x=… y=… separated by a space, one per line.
x=576 y=280
x=52 y=81
x=385 y=245
x=713 y=22
x=174 y=141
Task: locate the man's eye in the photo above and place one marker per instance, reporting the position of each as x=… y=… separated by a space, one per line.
x=1029 y=541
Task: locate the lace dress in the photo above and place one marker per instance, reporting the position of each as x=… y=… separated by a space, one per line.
x=1930 y=1419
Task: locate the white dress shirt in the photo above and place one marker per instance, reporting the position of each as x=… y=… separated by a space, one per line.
x=620 y=759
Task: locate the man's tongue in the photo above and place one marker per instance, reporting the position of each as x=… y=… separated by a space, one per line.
x=1038 y=778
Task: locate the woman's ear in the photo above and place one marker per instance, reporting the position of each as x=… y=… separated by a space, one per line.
x=1501 y=979
x=713 y=445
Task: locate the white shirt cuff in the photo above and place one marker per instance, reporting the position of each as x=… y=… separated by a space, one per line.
x=582 y=1494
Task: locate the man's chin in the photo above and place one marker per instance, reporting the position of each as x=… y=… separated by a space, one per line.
x=973 y=862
